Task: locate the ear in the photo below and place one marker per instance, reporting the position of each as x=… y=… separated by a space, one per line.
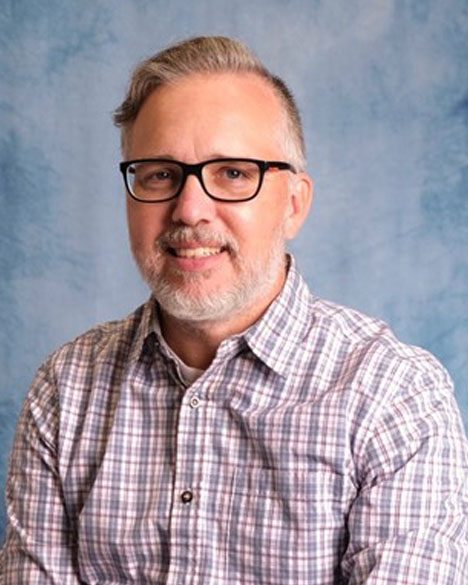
x=300 y=195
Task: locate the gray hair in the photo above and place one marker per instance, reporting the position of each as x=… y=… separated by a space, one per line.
x=211 y=54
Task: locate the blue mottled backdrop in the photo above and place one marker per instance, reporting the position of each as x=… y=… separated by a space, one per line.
x=383 y=87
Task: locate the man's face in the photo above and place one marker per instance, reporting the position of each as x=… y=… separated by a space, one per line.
x=206 y=259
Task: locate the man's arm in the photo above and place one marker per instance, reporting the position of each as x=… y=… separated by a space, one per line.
x=39 y=546
x=409 y=525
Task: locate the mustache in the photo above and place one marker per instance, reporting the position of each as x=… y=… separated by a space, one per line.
x=203 y=235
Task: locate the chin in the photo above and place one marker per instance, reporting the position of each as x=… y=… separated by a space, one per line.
x=200 y=305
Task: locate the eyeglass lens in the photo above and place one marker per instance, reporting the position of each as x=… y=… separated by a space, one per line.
x=228 y=179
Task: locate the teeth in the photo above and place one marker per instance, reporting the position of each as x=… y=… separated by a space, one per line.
x=196 y=252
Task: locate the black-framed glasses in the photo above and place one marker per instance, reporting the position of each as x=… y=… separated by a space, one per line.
x=154 y=180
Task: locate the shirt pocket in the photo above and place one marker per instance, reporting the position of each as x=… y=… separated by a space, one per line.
x=287 y=526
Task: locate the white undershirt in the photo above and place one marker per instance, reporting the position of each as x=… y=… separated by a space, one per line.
x=187 y=373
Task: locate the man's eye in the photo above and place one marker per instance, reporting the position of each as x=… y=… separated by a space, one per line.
x=160 y=175
x=235 y=173
x=157 y=176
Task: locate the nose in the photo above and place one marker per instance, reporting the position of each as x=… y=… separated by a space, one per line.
x=193 y=205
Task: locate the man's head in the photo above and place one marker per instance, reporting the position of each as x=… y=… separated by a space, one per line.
x=206 y=259
x=209 y=55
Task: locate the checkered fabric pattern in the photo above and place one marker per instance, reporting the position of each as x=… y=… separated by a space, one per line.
x=315 y=450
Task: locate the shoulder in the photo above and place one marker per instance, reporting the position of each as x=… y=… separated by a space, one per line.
x=357 y=364
x=343 y=348
x=384 y=382
x=84 y=375
x=381 y=386
x=107 y=345
x=369 y=342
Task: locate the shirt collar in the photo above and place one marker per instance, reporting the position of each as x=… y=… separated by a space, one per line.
x=145 y=334
x=275 y=337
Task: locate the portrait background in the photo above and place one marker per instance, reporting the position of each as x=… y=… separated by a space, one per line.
x=383 y=90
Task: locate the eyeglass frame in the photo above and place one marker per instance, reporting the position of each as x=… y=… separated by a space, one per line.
x=196 y=169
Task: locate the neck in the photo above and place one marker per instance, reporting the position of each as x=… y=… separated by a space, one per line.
x=196 y=342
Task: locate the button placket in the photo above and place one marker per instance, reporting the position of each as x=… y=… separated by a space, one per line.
x=189 y=469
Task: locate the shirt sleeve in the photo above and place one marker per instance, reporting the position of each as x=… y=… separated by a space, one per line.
x=409 y=524
x=39 y=546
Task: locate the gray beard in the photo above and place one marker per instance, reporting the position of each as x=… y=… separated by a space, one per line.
x=186 y=303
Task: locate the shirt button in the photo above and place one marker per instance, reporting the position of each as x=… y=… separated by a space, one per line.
x=195 y=402
x=186 y=496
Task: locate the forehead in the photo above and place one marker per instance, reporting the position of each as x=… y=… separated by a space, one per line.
x=224 y=89
x=235 y=106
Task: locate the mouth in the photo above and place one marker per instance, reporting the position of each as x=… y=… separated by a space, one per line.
x=199 y=252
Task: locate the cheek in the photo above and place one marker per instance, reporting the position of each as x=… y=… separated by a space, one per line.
x=265 y=218
x=256 y=230
x=145 y=224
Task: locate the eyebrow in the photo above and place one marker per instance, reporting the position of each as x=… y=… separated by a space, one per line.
x=213 y=155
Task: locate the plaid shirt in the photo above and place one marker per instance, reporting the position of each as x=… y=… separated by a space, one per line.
x=316 y=449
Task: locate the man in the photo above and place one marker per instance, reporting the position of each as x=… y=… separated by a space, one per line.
x=235 y=429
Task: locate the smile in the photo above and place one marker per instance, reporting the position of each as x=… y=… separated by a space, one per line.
x=195 y=252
